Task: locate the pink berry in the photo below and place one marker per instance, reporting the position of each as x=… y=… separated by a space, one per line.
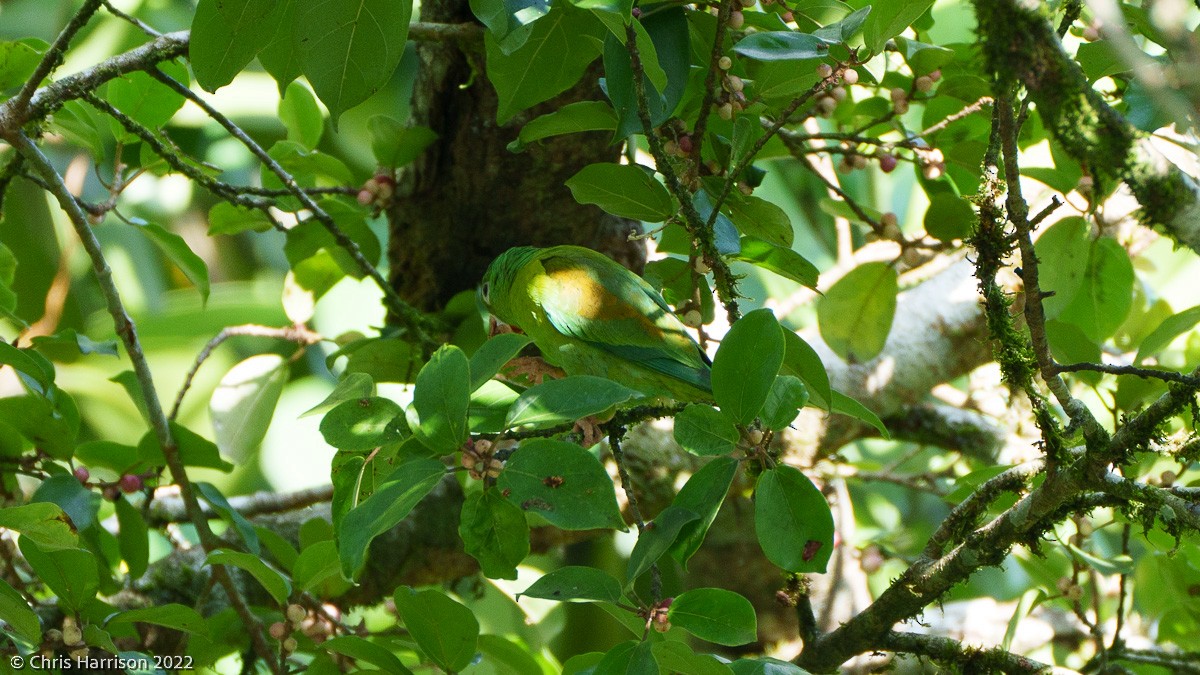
x=685 y=144
x=850 y=76
x=130 y=483
x=82 y=474
x=365 y=197
x=887 y=162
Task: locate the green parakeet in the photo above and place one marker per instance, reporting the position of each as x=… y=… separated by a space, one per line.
x=591 y=316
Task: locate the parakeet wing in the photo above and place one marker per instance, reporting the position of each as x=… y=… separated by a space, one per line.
x=591 y=298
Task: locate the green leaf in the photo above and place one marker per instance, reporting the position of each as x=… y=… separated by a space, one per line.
x=209 y=493
x=361 y=649
x=628 y=658
x=663 y=43
x=923 y=58
x=68 y=345
x=507 y=657
x=354 y=386
x=677 y=657
x=703 y=430
x=143 y=98
x=889 y=18
x=801 y=360
x=1171 y=328
x=792 y=520
x=275 y=583
x=363 y=424
x=18 y=60
x=391 y=503
x=1062 y=252
x=300 y=114
x=746 y=365
x=1104 y=299
x=842 y=30
x=225 y=218
x=788 y=394
x=493 y=354
x=349 y=48
x=856 y=314
x=949 y=217
x=15 y=612
x=395 y=144
x=495 y=533
x=70 y=574
x=555 y=402
x=41 y=423
x=441 y=399
x=316 y=565
x=172 y=615
x=542 y=67
x=715 y=615
x=845 y=405
x=703 y=494
x=79 y=503
x=42 y=522
x=656 y=538
x=622 y=190
x=783 y=261
x=445 y=630
x=563 y=483
x=28 y=363
x=759 y=218
x=177 y=251
x=575 y=584
x=1118 y=564
x=224 y=43
x=134 y=538
x=509 y=21
x=278 y=55
x=725 y=235
x=570 y=119
x=244 y=402
x=782 y=46
x=194 y=450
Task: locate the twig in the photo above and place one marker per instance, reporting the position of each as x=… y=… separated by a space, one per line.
x=1144 y=373
x=413 y=320
x=128 y=333
x=725 y=9
x=950 y=651
x=297 y=334
x=614 y=443
x=141 y=25
x=53 y=57
x=171 y=510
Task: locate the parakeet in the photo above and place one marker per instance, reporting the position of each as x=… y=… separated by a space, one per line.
x=591 y=316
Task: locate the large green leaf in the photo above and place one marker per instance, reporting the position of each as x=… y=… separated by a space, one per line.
x=445 y=630
x=856 y=314
x=15 y=612
x=662 y=39
x=555 y=402
x=704 y=430
x=622 y=190
x=243 y=403
x=569 y=119
x=349 y=48
x=274 y=581
x=224 y=42
x=495 y=533
x=575 y=584
x=746 y=365
x=70 y=574
x=715 y=615
x=392 y=501
x=562 y=483
x=441 y=399
x=792 y=520
x=1104 y=299
x=889 y=18
x=703 y=494
x=42 y=522
x=781 y=260
x=559 y=47
x=1171 y=328
x=1062 y=252
x=656 y=538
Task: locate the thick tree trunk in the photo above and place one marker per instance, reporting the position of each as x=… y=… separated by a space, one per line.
x=468 y=198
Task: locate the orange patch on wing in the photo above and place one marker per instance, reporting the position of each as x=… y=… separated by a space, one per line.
x=580 y=293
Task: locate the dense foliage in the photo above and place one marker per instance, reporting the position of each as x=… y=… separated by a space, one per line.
x=939 y=252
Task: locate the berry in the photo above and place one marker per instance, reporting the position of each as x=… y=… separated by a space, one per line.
x=838 y=94
x=887 y=162
x=726 y=111
x=788 y=17
x=725 y=63
x=826 y=105
x=636 y=13
x=1091 y=34
x=130 y=483
x=365 y=197
x=82 y=474
x=747 y=3
x=858 y=162
x=737 y=20
x=278 y=630
x=685 y=144
x=850 y=76
x=923 y=83
x=734 y=83
x=290 y=645
x=900 y=107
x=692 y=318
x=891 y=226
x=296 y=613
x=935 y=75
x=824 y=70
x=898 y=95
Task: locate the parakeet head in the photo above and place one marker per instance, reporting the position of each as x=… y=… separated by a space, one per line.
x=496 y=290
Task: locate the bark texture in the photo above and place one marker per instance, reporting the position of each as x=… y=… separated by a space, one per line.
x=468 y=198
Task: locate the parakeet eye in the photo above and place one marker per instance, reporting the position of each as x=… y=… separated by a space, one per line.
x=484 y=292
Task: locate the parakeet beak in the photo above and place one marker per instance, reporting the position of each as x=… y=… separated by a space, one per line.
x=496 y=327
